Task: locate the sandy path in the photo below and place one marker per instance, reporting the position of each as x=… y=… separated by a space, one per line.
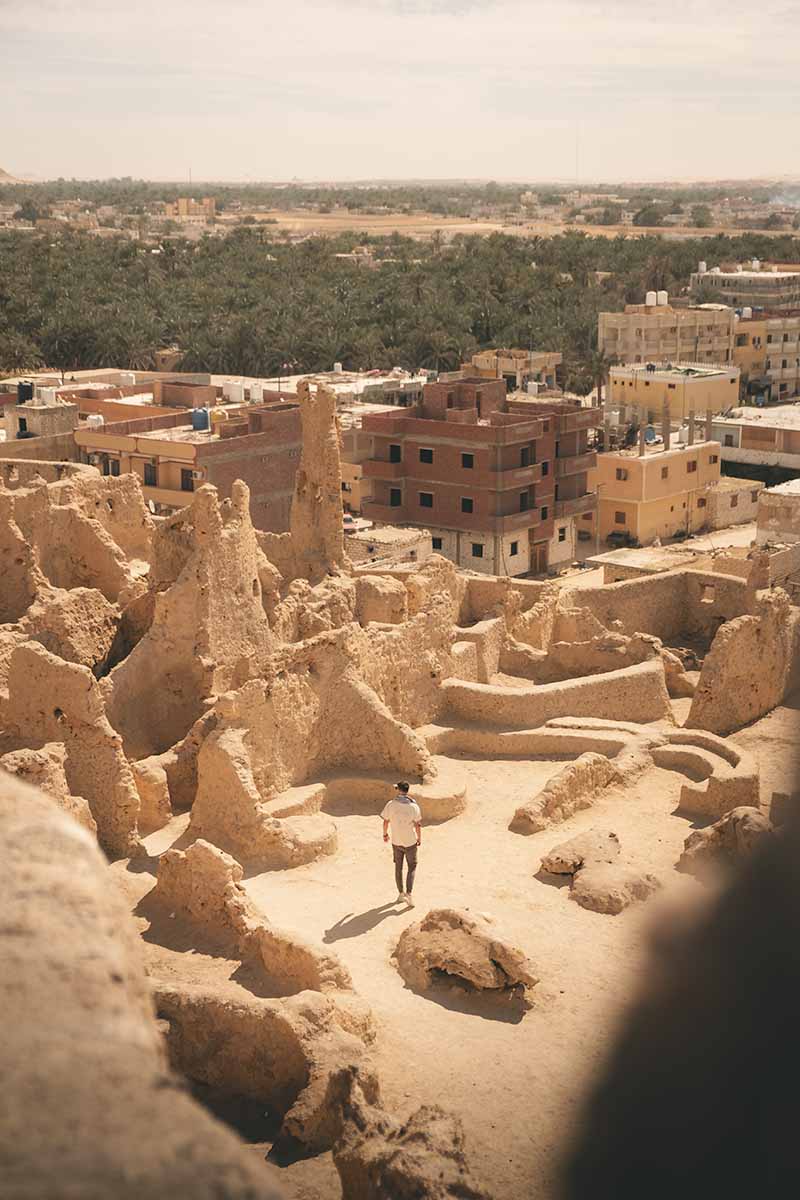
x=514 y=1085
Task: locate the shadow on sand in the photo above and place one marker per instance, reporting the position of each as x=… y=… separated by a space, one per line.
x=353 y=925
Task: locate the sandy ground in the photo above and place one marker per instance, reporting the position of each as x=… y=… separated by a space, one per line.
x=515 y=1081
x=301 y=221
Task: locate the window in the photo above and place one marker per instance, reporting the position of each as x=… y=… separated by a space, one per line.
x=619 y=518
x=734 y=501
x=741 y=339
x=187 y=483
x=622 y=473
x=467 y=461
x=426 y=499
x=436 y=543
x=477 y=549
x=701 y=503
x=545 y=512
x=728 y=439
x=346 y=487
x=562 y=533
x=713 y=458
x=395 y=497
x=426 y=456
x=784 y=362
x=115 y=467
x=395 y=452
x=545 y=469
x=106 y=465
x=514 y=549
x=449 y=399
x=671 y=387
x=466 y=504
x=23 y=425
x=770 y=337
x=691 y=466
x=150 y=475
x=525 y=456
x=524 y=501
x=665 y=472
x=754 y=496
x=786 y=337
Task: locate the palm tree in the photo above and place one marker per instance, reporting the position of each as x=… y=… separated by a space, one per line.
x=600 y=364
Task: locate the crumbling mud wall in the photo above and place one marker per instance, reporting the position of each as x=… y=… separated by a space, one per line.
x=753 y=662
x=52 y=701
x=636 y=693
x=209 y=632
x=575 y=787
x=96 y=1111
x=316 y=520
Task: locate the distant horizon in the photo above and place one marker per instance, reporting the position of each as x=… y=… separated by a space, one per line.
x=398 y=181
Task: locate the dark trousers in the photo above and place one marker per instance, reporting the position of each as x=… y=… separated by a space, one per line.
x=409 y=853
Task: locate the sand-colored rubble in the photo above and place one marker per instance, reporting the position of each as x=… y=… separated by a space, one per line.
x=225 y=712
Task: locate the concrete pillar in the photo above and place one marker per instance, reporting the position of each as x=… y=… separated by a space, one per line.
x=709 y=418
x=641 y=439
x=666 y=428
x=691 y=429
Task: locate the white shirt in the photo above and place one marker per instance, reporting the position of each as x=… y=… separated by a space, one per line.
x=402 y=814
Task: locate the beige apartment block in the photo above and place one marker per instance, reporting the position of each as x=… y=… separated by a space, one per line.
x=767 y=351
x=657 y=494
x=660 y=333
x=685 y=389
x=748 y=286
x=517 y=367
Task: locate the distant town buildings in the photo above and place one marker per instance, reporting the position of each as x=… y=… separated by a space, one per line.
x=747 y=287
x=187 y=209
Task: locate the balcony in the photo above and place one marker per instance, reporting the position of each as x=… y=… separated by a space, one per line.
x=517 y=477
x=575 y=464
x=583 y=418
x=379 y=468
x=576 y=506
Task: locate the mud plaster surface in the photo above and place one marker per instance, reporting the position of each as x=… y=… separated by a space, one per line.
x=514 y=1084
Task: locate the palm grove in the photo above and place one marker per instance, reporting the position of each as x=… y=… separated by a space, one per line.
x=251 y=302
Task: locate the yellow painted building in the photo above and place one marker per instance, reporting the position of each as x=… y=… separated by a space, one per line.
x=660 y=333
x=658 y=494
x=767 y=351
x=685 y=388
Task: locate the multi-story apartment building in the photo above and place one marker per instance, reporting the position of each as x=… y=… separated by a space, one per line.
x=477 y=469
x=656 y=494
x=654 y=332
x=260 y=445
x=682 y=388
x=187 y=209
x=767 y=351
x=749 y=287
x=517 y=367
x=762 y=442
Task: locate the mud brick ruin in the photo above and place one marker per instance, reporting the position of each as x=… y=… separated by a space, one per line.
x=199 y=725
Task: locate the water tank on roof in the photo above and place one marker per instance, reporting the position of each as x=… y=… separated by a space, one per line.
x=651 y=299
x=747 y=313
x=532 y=387
x=233 y=392
x=649 y=434
x=24 y=392
x=95 y=421
x=663 y=299
x=127 y=378
x=702 y=267
x=337 y=368
x=256 y=393
x=200 y=419
x=756 y=264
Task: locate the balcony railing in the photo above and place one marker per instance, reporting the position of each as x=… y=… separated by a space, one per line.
x=579 y=504
x=378 y=468
x=574 y=464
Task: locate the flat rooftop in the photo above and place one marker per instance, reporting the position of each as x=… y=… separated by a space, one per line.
x=758 y=276
x=790 y=488
x=675 y=370
x=651 y=448
x=778 y=416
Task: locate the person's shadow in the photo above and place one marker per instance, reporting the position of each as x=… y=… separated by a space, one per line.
x=354 y=925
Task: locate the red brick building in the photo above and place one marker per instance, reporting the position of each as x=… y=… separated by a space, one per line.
x=260 y=445
x=480 y=470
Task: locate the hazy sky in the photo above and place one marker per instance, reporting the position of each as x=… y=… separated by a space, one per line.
x=338 y=89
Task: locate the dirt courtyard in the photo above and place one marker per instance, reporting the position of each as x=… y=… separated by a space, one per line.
x=514 y=1082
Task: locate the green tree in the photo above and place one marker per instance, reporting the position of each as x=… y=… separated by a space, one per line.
x=701 y=216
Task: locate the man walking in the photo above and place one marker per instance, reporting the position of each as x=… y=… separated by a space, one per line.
x=404 y=816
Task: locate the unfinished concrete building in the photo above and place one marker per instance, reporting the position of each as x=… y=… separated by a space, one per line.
x=225 y=711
